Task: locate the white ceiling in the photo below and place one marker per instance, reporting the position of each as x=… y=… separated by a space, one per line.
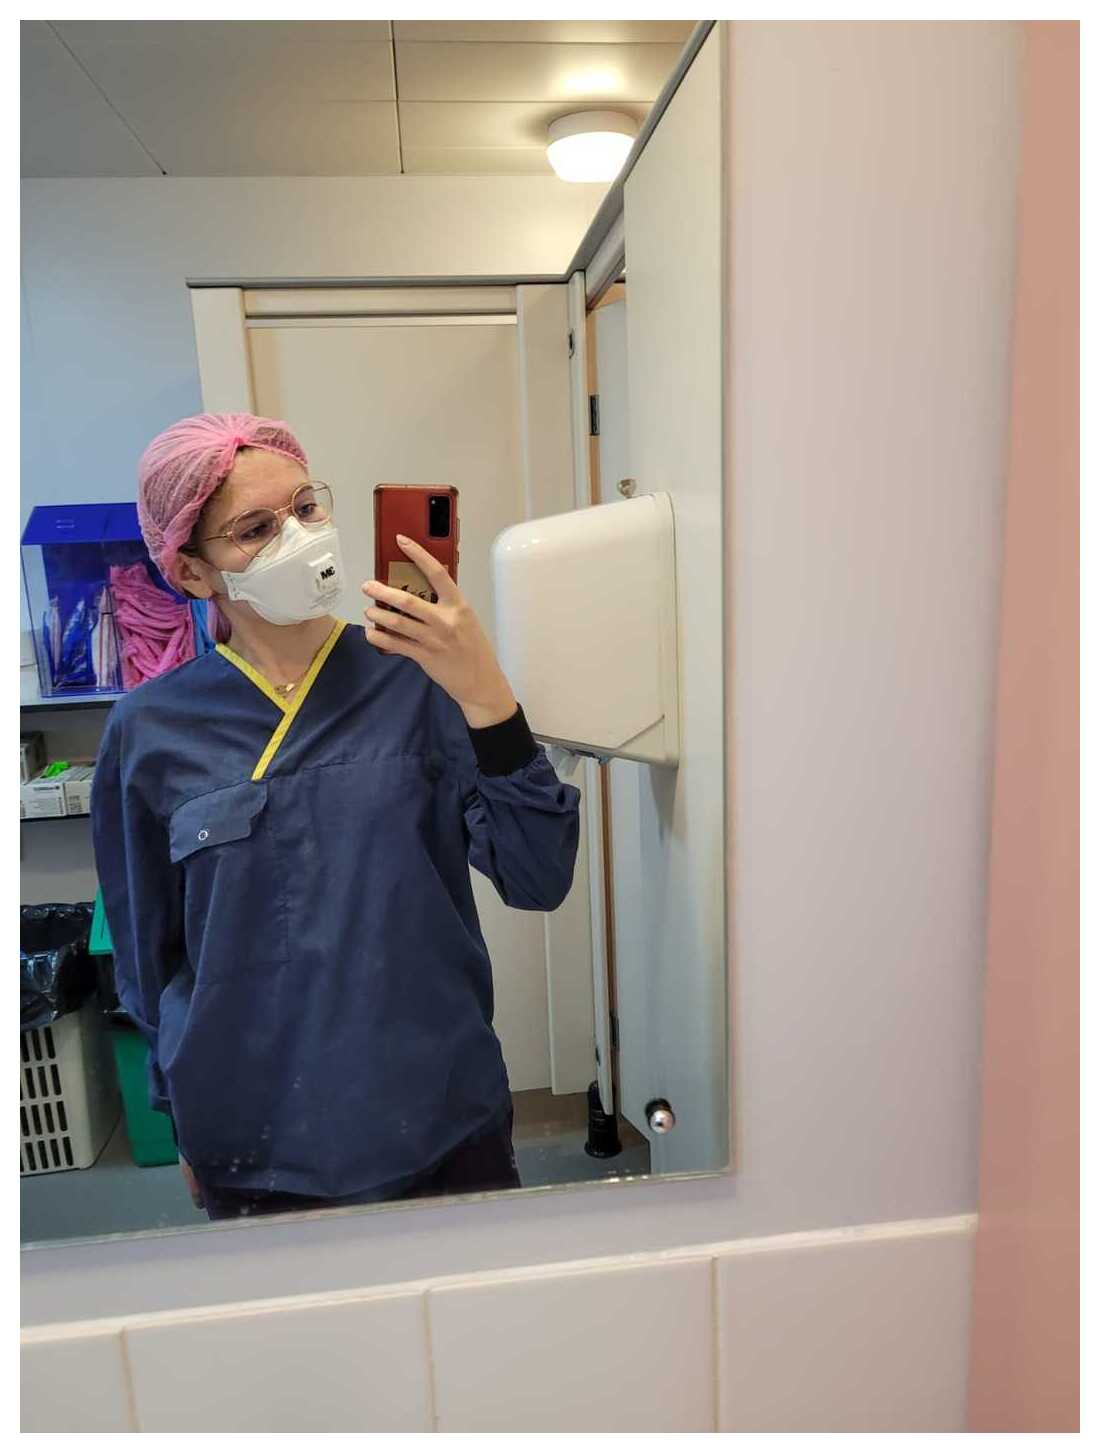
x=324 y=98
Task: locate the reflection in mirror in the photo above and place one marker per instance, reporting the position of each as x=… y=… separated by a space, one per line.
x=380 y=737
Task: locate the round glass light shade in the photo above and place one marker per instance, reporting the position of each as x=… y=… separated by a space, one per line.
x=590 y=146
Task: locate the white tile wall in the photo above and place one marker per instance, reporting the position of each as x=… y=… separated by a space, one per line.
x=855 y=1337
x=345 y=1367
x=858 y=1329
x=623 y=1350
x=75 y=1385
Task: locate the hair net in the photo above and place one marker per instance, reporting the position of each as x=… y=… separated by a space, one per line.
x=182 y=468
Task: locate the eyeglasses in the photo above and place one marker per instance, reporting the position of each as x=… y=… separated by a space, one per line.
x=310 y=504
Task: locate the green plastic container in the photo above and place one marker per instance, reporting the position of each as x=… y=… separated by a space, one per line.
x=100 y=941
x=148 y=1131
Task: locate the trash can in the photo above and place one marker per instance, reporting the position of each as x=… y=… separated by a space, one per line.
x=68 y=1094
x=149 y=1131
x=56 y=972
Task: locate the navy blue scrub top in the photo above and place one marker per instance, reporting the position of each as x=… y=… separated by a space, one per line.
x=288 y=890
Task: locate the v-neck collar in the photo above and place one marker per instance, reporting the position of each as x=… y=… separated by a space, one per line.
x=289 y=709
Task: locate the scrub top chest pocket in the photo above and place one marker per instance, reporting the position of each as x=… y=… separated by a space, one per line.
x=234 y=896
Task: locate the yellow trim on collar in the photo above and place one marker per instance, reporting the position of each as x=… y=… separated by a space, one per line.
x=254 y=676
x=291 y=711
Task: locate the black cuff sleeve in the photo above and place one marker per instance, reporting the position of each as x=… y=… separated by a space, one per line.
x=505 y=746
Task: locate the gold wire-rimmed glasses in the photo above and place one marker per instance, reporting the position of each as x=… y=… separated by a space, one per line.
x=310 y=504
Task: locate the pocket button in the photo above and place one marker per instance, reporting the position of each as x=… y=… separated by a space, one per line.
x=203 y=835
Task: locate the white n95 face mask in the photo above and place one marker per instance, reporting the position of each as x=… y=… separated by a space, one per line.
x=297 y=577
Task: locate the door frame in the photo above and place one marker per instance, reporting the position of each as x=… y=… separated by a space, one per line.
x=574 y=944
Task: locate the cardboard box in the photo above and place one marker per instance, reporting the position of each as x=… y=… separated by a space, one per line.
x=69 y=794
x=77 y=786
x=44 y=797
x=32 y=756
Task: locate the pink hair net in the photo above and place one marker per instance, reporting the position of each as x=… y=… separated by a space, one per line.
x=182 y=468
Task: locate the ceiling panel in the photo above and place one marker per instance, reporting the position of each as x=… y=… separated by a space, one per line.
x=584 y=31
x=317 y=98
x=494 y=125
x=281 y=139
x=248 y=98
x=67 y=129
x=140 y=63
x=430 y=71
x=476 y=161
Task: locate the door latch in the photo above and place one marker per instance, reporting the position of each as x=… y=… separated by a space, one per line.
x=659 y=1117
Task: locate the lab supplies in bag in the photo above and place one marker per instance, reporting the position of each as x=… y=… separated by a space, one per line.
x=104 y=618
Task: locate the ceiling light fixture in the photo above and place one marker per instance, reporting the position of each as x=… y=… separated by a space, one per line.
x=590 y=146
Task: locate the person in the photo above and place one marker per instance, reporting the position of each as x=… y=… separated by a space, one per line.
x=284 y=829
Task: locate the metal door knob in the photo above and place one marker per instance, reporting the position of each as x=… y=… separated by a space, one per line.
x=660 y=1116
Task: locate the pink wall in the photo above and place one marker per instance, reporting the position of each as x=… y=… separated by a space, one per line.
x=1024 y=1374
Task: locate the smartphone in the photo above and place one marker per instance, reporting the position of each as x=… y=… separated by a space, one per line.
x=426 y=513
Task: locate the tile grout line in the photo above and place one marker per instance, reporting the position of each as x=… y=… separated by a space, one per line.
x=433 y=1398
x=715 y=1342
x=128 y=1373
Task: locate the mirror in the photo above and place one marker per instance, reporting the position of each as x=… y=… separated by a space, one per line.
x=344 y=923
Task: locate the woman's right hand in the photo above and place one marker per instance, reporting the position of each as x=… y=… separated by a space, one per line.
x=192 y=1184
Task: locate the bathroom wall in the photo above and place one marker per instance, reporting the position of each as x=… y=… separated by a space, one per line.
x=749 y=1336
x=1027 y=1293
x=870 y=255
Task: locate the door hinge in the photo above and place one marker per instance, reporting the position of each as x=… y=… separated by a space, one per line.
x=614 y=1031
x=593 y=413
x=572 y=343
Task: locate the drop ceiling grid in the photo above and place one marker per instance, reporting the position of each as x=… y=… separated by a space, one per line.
x=233 y=98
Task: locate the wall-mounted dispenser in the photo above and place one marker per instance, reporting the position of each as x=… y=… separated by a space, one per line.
x=586 y=627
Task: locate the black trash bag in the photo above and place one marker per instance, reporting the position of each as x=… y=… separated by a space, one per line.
x=56 y=972
x=106 y=992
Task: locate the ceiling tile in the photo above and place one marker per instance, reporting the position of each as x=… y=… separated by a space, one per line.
x=67 y=129
x=496 y=125
x=282 y=139
x=242 y=98
x=430 y=71
x=584 y=31
x=144 y=64
x=508 y=161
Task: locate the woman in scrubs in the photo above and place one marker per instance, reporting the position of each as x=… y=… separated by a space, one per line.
x=284 y=829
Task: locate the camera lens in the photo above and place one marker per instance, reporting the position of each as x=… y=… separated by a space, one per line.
x=439 y=516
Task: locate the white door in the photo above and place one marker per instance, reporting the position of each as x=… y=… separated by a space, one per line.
x=671 y=970
x=431 y=401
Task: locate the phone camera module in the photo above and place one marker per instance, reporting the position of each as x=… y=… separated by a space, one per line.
x=439 y=516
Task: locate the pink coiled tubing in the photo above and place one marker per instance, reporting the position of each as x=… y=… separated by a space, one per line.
x=155 y=632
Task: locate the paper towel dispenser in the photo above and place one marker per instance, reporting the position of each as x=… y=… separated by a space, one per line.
x=586 y=627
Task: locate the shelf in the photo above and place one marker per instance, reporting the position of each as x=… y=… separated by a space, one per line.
x=70 y=703
x=69 y=817
x=31 y=700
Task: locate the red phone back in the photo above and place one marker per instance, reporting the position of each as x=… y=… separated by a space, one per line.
x=402 y=509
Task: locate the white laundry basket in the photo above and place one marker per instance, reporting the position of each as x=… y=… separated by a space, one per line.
x=68 y=1093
